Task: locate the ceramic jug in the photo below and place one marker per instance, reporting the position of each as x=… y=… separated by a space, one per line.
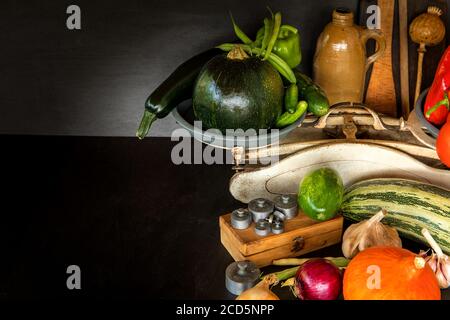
x=340 y=61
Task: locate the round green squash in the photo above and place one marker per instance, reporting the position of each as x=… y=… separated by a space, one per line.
x=236 y=91
x=320 y=194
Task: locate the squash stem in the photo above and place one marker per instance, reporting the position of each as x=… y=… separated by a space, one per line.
x=147 y=119
x=237 y=53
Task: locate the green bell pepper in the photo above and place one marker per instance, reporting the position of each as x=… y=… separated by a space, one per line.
x=287 y=45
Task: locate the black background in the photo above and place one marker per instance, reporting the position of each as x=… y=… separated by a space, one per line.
x=94 y=81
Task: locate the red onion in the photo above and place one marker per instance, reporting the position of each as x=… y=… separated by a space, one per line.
x=318 y=279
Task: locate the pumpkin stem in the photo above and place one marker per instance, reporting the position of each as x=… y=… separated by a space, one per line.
x=237 y=53
x=419 y=262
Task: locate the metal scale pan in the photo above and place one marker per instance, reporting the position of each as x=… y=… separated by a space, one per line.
x=424 y=131
x=184 y=116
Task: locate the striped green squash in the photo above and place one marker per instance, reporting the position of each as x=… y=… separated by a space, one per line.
x=411 y=206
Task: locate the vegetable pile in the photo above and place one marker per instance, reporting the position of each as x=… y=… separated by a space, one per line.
x=276 y=44
x=310 y=279
x=256 y=85
x=410 y=205
x=374 y=266
x=279 y=44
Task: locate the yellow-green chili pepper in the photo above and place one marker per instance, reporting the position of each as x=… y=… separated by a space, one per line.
x=289 y=118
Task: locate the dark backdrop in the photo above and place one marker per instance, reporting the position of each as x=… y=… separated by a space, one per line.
x=94 y=81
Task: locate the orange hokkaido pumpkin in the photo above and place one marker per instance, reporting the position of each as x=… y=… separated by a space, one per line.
x=389 y=273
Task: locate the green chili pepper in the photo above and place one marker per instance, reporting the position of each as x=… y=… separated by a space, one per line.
x=289 y=118
x=291 y=98
x=239 y=33
x=274 y=36
x=273 y=59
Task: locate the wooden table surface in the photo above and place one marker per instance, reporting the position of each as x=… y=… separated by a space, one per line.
x=136 y=224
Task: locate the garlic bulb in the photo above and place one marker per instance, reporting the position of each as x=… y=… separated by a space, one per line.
x=369 y=233
x=438 y=261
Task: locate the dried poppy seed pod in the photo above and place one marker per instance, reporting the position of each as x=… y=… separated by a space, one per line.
x=428 y=28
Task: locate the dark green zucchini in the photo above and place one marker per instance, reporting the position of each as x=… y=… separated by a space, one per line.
x=317 y=100
x=174 y=90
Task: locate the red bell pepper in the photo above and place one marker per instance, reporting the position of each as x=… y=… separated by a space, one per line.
x=437 y=104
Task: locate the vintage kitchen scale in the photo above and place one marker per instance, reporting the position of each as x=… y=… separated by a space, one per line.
x=353 y=140
x=371 y=146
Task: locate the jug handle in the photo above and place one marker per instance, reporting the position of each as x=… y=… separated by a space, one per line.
x=378 y=36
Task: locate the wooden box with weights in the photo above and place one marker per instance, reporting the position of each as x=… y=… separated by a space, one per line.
x=353 y=140
x=301 y=235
